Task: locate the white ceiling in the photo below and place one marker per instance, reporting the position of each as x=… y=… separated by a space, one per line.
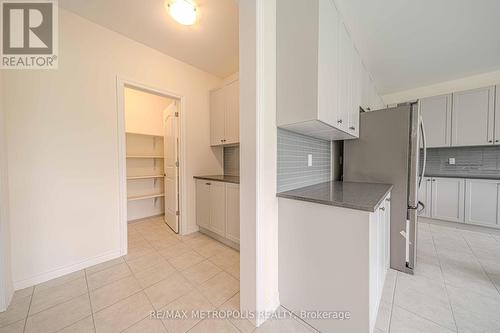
x=412 y=43
x=211 y=44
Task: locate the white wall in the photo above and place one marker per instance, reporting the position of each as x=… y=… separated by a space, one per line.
x=144 y=112
x=470 y=82
x=258 y=136
x=63 y=146
x=6 y=288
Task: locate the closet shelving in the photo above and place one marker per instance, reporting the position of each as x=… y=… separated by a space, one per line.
x=145 y=175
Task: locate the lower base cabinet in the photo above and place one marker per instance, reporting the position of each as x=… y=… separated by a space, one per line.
x=218 y=208
x=482 y=202
x=471 y=201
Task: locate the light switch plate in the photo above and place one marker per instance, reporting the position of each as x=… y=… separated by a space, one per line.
x=451 y=161
x=309 y=160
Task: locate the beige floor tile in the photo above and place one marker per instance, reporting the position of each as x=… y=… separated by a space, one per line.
x=470 y=276
x=123 y=314
x=17 y=327
x=145 y=262
x=48 y=297
x=23 y=293
x=59 y=316
x=17 y=310
x=108 y=275
x=220 y=288
x=113 y=292
x=163 y=244
x=175 y=251
x=226 y=258
x=83 y=326
x=283 y=325
x=383 y=317
x=186 y=260
x=154 y=274
x=210 y=249
x=147 y=325
x=219 y=326
x=234 y=270
x=424 y=297
x=168 y=290
x=403 y=321
x=389 y=286
x=104 y=265
x=201 y=272
x=60 y=280
x=188 y=303
x=139 y=251
x=233 y=305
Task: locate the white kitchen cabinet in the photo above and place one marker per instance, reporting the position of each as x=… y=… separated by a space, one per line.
x=218 y=208
x=473 y=117
x=425 y=196
x=448 y=196
x=482 y=202
x=436 y=113
x=233 y=212
x=203 y=203
x=356 y=93
x=224 y=115
x=496 y=139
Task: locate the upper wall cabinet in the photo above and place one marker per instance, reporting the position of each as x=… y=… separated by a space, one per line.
x=473 y=117
x=436 y=113
x=225 y=115
x=319 y=72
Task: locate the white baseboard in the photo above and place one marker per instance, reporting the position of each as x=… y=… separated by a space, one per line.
x=271 y=305
x=58 y=272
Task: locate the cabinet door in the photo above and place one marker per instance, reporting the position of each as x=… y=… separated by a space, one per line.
x=203 y=203
x=472 y=118
x=436 y=113
x=448 y=199
x=346 y=50
x=482 y=202
x=387 y=239
x=233 y=212
x=328 y=63
x=218 y=208
x=217 y=116
x=497 y=116
x=424 y=196
x=356 y=90
x=232 y=129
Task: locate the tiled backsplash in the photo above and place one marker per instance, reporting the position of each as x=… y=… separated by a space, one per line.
x=293 y=150
x=232 y=161
x=469 y=161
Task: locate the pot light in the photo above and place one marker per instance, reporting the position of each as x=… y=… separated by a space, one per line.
x=182 y=11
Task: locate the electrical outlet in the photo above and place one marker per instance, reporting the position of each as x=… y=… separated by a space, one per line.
x=309 y=160
x=451 y=161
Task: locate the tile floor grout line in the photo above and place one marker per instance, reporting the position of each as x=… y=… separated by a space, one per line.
x=90 y=300
x=445 y=283
x=29 y=308
x=392 y=301
x=482 y=267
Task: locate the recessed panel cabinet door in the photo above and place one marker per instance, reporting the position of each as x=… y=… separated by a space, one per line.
x=482 y=202
x=346 y=52
x=203 y=203
x=232 y=113
x=436 y=113
x=473 y=117
x=218 y=208
x=233 y=212
x=424 y=196
x=217 y=116
x=448 y=199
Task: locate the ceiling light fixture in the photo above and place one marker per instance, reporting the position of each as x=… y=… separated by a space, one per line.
x=183 y=11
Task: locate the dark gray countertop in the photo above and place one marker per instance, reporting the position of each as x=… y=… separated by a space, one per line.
x=360 y=196
x=221 y=178
x=494 y=177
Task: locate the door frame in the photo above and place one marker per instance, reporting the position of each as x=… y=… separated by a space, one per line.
x=121 y=84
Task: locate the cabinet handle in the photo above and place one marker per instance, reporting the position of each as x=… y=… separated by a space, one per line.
x=208 y=183
x=352 y=128
x=490 y=141
x=382 y=208
x=496 y=140
x=339 y=121
x=433 y=180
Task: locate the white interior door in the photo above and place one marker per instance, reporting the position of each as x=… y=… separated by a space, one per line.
x=171 y=158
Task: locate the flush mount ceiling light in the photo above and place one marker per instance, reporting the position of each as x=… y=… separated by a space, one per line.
x=183 y=11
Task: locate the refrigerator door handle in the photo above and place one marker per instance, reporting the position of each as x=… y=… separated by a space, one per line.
x=424 y=143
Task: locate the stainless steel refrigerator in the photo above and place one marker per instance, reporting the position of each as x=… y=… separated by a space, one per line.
x=388 y=151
